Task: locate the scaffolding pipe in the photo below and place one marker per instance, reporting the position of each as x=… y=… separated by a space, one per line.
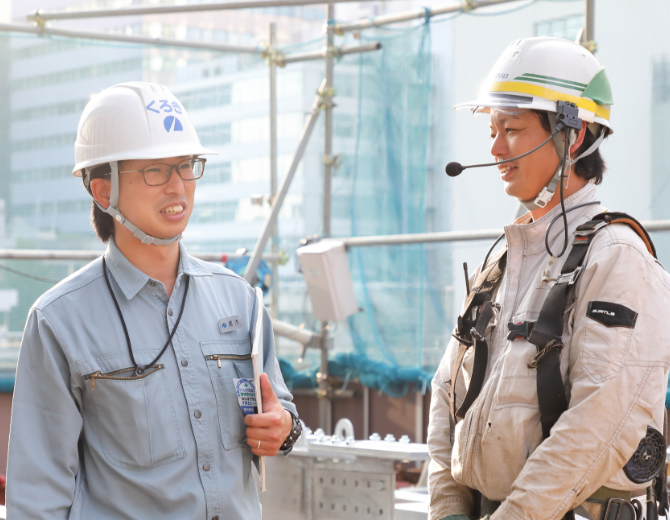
x=320 y=54
x=589 y=21
x=40 y=15
x=126 y=38
x=414 y=14
x=325 y=404
x=287 y=330
x=457 y=236
x=272 y=42
x=283 y=188
x=58 y=254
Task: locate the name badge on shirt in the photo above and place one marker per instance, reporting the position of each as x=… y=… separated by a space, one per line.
x=246 y=395
x=230 y=324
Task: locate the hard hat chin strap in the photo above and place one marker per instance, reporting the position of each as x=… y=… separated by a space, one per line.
x=113 y=210
x=548 y=191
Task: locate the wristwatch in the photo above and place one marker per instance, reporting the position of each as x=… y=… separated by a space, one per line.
x=293 y=436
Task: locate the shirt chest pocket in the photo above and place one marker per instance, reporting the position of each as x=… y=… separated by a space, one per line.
x=227 y=361
x=135 y=414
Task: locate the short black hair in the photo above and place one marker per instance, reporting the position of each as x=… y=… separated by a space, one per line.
x=103 y=223
x=592 y=167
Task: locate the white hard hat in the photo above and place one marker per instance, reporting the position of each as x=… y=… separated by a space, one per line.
x=535 y=73
x=134 y=120
x=128 y=121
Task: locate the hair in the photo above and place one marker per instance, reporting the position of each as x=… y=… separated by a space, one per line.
x=592 y=167
x=103 y=223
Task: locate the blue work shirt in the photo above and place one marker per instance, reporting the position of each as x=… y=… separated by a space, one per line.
x=90 y=443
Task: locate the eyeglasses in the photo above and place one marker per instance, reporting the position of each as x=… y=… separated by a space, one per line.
x=160 y=173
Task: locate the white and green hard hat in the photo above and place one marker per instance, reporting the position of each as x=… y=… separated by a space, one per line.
x=535 y=73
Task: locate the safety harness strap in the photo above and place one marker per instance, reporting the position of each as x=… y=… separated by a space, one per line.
x=547 y=333
x=470 y=332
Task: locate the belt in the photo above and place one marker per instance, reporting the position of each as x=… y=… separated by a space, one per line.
x=594 y=508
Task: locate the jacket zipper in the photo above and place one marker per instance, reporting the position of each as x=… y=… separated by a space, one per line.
x=229 y=357
x=117 y=377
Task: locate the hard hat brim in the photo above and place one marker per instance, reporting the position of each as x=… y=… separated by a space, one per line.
x=507 y=100
x=157 y=153
x=511 y=100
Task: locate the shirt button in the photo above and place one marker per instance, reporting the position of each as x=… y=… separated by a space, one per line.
x=197 y=414
x=169 y=312
x=152 y=283
x=184 y=363
x=205 y=467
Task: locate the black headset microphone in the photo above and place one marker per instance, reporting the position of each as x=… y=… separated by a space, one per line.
x=454 y=169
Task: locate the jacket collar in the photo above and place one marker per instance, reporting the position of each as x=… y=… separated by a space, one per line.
x=530 y=235
x=130 y=279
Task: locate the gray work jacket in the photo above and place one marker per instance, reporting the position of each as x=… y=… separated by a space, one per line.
x=170 y=444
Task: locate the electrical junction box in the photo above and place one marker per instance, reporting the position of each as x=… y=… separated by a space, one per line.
x=326 y=270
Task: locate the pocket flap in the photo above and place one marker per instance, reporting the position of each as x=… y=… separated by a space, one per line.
x=238 y=347
x=116 y=361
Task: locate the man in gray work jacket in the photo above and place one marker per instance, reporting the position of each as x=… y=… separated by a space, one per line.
x=125 y=403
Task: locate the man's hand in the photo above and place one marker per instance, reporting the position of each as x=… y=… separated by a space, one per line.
x=270 y=427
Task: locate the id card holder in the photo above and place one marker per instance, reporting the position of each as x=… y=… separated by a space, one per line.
x=246 y=395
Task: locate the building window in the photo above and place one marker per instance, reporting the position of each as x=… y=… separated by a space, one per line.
x=216 y=173
x=215 y=135
x=567 y=27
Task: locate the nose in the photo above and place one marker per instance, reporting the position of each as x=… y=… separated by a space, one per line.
x=499 y=146
x=175 y=184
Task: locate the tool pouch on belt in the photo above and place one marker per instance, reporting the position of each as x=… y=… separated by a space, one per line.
x=479 y=311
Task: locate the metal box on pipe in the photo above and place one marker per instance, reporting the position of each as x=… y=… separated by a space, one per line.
x=326 y=270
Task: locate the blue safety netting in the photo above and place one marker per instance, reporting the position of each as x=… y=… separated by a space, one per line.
x=383 y=344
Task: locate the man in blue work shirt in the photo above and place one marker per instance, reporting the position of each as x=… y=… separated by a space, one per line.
x=125 y=403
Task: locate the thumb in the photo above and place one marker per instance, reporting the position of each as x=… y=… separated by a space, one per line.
x=267 y=393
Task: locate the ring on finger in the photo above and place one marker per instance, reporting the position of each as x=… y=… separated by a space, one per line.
x=259 y=445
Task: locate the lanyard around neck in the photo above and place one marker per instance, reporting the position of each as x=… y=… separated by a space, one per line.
x=139 y=369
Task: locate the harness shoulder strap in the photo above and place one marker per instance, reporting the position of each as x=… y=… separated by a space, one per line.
x=547 y=334
x=470 y=332
x=624 y=218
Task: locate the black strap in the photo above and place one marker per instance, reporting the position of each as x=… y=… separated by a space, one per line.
x=470 y=332
x=624 y=218
x=547 y=335
x=139 y=369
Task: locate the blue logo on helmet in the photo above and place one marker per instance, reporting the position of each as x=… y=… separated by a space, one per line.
x=168 y=124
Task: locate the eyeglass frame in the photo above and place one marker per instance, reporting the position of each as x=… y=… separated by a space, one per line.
x=170 y=167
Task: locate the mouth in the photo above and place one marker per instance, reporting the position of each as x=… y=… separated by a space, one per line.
x=174 y=209
x=506 y=171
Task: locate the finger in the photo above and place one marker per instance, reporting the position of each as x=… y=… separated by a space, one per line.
x=266 y=448
x=265 y=435
x=267 y=392
x=271 y=419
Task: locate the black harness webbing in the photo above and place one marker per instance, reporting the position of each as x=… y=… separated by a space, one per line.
x=547 y=334
x=470 y=332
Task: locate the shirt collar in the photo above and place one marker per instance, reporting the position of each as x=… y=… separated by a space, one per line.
x=130 y=279
x=530 y=235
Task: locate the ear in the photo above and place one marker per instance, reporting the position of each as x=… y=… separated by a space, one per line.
x=101 y=190
x=580 y=138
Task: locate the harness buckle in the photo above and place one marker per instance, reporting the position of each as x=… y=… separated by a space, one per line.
x=474 y=333
x=520 y=330
x=589 y=231
x=569 y=278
